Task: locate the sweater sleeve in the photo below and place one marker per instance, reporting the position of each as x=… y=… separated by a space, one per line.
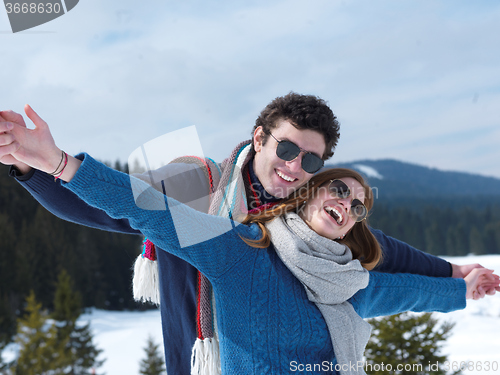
x=399 y=257
x=171 y=179
x=66 y=205
x=168 y=223
x=388 y=294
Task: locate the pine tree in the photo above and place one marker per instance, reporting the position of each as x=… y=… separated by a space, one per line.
x=7 y=323
x=477 y=242
x=154 y=363
x=40 y=350
x=7 y=278
x=411 y=341
x=79 y=349
x=3 y=366
x=6 y=368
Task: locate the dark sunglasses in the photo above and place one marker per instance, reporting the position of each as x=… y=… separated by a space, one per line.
x=289 y=151
x=339 y=189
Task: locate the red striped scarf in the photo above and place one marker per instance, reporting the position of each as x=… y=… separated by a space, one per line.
x=228 y=199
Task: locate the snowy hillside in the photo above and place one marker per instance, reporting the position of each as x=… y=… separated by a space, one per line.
x=368 y=171
x=123 y=335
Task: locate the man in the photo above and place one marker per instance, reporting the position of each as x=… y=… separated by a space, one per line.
x=291 y=138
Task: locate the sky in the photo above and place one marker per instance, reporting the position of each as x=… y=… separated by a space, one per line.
x=413 y=80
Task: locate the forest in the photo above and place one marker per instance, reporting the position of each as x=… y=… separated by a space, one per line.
x=456 y=231
x=35 y=247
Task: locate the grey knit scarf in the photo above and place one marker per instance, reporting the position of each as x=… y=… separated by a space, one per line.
x=330 y=277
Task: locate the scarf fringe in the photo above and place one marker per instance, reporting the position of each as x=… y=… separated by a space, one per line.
x=205 y=357
x=227 y=201
x=146 y=281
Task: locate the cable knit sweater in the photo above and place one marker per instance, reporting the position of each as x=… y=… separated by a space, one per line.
x=266 y=323
x=178 y=290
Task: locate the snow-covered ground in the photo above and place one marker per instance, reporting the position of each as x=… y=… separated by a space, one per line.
x=123 y=335
x=476 y=335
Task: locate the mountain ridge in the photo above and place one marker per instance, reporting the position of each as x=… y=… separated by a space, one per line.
x=403 y=179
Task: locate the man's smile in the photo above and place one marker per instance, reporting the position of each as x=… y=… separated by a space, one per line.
x=284 y=176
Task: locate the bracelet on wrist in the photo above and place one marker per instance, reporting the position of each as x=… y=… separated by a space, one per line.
x=64 y=166
x=62 y=158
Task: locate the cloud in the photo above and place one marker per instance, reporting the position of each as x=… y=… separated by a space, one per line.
x=414 y=80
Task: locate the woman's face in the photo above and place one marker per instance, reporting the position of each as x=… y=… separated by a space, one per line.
x=329 y=215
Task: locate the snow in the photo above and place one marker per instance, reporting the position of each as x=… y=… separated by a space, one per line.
x=123 y=335
x=368 y=171
x=475 y=335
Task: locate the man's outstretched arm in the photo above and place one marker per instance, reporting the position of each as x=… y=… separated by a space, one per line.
x=65 y=204
x=399 y=257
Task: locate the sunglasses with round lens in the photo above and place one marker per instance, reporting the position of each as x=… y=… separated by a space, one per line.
x=339 y=189
x=289 y=151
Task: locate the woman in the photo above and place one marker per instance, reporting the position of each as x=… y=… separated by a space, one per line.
x=301 y=297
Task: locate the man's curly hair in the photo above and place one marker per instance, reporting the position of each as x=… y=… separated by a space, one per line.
x=303 y=112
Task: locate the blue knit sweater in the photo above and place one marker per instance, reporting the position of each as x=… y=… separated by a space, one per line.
x=178 y=295
x=266 y=324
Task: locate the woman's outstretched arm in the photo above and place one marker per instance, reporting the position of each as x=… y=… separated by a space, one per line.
x=210 y=243
x=389 y=294
x=165 y=221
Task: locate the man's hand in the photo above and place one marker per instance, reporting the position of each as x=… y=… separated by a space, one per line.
x=460 y=271
x=489 y=287
x=479 y=280
x=8 y=144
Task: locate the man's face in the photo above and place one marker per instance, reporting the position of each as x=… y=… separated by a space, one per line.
x=279 y=177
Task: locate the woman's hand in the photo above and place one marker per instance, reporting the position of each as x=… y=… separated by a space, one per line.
x=33 y=147
x=461 y=271
x=7 y=141
x=480 y=280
